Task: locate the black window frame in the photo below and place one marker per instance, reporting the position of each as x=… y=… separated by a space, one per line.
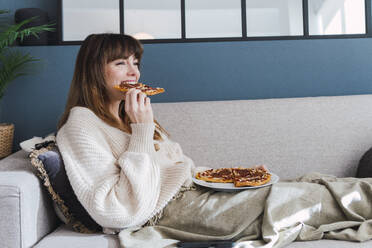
x=183 y=39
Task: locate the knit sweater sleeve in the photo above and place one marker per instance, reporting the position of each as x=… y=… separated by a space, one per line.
x=117 y=192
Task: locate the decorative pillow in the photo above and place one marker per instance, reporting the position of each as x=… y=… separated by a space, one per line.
x=365 y=165
x=51 y=170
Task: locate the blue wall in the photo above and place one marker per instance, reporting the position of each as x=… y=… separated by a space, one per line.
x=197 y=72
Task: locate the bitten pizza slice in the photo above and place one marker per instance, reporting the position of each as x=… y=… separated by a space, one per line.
x=221 y=175
x=125 y=86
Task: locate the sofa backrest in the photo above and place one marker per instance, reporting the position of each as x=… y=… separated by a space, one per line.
x=291 y=136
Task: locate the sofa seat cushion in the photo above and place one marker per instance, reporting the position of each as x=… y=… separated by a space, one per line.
x=64 y=236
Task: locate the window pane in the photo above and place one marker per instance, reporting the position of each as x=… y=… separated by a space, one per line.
x=83 y=17
x=274 y=18
x=336 y=17
x=213 y=18
x=149 y=19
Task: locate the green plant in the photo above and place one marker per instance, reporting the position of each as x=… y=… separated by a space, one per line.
x=13 y=63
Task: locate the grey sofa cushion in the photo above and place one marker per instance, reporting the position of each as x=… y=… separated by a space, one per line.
x=50 y=167
x=290 y=136
x=64 y=237
x=365 y=165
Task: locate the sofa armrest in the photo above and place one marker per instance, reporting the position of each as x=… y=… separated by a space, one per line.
x=26 y=212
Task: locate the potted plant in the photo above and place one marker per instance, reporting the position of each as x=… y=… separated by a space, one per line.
x=13 y=64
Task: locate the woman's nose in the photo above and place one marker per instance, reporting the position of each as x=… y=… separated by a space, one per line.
x=132 y=70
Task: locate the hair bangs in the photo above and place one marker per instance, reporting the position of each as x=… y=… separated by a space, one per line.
x=122 y=47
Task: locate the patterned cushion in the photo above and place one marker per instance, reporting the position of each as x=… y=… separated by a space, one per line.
x=51 y=170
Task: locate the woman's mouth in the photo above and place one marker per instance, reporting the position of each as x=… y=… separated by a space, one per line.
x=129 y=82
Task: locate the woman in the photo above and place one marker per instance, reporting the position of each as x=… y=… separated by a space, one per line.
x=126 y=171
x=119 y=160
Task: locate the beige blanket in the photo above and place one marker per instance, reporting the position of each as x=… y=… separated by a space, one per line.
x=310 y=208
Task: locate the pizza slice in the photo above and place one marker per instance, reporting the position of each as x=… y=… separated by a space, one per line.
x=250 y=176
x=124 y=87
x=221 y=175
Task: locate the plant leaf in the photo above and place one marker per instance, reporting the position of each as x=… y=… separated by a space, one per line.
x=13 y=65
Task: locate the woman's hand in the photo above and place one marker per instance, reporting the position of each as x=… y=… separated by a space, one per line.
x=138 y=107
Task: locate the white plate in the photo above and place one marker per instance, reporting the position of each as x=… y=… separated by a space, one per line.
x=229 y=187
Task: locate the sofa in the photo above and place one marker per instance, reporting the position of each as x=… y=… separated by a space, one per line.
x=291 y=136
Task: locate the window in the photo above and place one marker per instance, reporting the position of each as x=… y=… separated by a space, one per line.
x=274 y=18
x=83 y=17
x=149 y=19
x=215 y=20
x=332 y=17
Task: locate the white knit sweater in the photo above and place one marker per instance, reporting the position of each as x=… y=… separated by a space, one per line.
x=119 y=178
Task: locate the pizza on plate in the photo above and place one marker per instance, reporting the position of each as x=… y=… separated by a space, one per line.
x=239 y=176
x=221 y=175
x=250 y=176
x=124 y=87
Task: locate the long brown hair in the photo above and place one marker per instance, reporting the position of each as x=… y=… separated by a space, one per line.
x=88 y=87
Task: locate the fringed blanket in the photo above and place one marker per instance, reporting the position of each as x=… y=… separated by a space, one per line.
x=310 y=208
